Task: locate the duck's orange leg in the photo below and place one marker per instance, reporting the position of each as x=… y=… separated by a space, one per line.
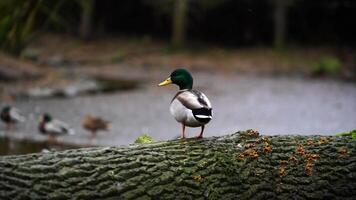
x=10 y=127
x=182 y=135
x=52 y=140
x=93 y=134
x=201 y=132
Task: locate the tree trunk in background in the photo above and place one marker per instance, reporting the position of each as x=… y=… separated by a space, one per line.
x=179 y=22
x=239 y=166
x=86 y=20
x=280 y=22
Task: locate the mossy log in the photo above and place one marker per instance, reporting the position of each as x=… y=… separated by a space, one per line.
x=240 y=166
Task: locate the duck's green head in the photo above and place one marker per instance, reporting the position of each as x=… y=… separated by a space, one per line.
x=180 y=77
x=45 y=118
x=6 y=109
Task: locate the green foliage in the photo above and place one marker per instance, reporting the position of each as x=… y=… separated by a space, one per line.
x=351 y=133
x=143 y=139
x=20 y=18
x=327 y=66
x=119 y=56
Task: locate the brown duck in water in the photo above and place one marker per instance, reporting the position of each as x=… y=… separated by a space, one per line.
x=95 y=124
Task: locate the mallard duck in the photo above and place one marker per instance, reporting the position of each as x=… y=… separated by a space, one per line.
x=53 y=127
x=94 y=124
x=10 y=116
x=189 y=107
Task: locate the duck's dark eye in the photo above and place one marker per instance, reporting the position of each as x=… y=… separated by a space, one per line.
x=174 y=74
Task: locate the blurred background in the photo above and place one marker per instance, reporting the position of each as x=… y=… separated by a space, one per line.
x=277 y=66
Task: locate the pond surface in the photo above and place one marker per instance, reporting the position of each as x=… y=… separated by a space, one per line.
x=270 y=105
x=11 y=146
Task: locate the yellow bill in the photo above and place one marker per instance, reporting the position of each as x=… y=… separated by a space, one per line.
x=166 y=82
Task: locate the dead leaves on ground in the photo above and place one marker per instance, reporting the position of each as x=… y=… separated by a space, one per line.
x=252 y=153
x=267 y=148
x=253 y=133
x=308 y=158
x=254 y=148
x=198 y=178
x=343 y=152
x=251 y=147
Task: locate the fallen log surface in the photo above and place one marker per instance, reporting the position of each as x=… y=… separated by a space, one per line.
x=239 y=166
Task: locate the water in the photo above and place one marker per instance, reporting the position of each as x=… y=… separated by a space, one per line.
x=11 y=146
x=270 y=105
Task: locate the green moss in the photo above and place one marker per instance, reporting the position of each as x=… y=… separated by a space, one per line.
x=145 y=197
x=142 y=139
x=157 y=190
x=68 y=172
x=134 y=194
x=166 y=177
x=351 y=133
x=58 y=195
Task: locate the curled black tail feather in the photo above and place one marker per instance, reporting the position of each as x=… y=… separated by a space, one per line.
x=203 y=115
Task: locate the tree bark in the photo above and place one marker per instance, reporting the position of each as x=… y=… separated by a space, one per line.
x=280 y=22
x=86 y=20
x=179 y=23
x=240 y=166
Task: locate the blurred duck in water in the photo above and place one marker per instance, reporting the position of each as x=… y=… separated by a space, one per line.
x=11 y=116
x=95 y=124
x=53 y=128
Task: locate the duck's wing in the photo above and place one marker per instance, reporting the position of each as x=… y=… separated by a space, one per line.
x=193 y=99
x=16 y=115
x=101 y=123
x=198 y=103
x=53 y=128
x=96 y=123
x=58 y=127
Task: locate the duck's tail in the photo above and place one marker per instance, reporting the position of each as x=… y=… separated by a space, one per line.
x=71 y=131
